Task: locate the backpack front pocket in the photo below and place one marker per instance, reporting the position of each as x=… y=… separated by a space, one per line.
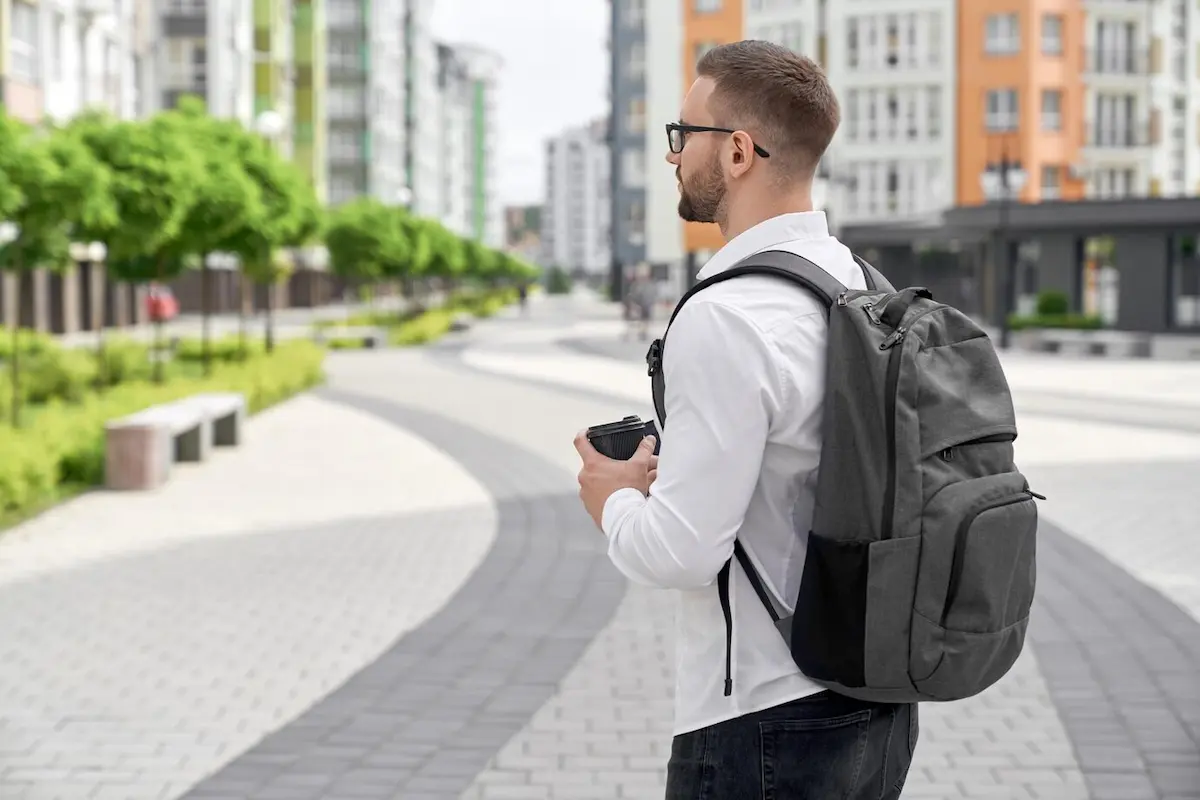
x=978 y=573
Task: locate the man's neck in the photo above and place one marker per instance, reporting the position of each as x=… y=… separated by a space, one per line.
x=743 y=219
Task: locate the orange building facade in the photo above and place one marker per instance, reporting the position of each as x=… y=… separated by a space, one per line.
x=702 y=30
x=1020 y=95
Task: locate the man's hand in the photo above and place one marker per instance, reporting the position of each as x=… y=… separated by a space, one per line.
x=600 y=475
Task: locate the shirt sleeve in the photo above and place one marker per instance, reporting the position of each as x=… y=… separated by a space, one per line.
x=722 y=387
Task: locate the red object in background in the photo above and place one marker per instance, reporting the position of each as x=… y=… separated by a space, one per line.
x=161 y=305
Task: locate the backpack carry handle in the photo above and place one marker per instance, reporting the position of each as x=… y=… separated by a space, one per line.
x=897 y=306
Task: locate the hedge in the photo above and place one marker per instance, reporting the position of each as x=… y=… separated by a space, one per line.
x=1084 y=322
x=60 y=448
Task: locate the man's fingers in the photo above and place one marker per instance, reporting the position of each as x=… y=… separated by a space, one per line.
x=653 y=476
x=583 y=446
x=653 y=462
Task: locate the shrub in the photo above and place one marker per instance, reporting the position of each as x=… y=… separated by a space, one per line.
x=62 y=445
x=225 y=349
x=428 y=327
x=1051 y=303
x=1061 y=321
x=557 y=281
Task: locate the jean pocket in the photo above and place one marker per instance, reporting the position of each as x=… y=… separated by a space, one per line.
x=814 y=757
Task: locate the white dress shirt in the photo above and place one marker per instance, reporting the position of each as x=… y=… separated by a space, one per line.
x=744 y=364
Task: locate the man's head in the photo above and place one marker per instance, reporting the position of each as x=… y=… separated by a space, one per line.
x=775 y=114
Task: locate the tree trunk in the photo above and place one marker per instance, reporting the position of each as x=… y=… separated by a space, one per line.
x=270 y=317
x=205 y=315
x=246 y=301
x=97 y=298
x=158 y=336
x=15 y=369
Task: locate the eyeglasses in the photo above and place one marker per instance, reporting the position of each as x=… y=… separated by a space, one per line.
x=677 y=133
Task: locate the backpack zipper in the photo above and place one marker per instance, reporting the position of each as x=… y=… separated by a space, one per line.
x=891 y=383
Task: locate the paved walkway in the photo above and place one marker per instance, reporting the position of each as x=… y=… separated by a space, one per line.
x=391 y=592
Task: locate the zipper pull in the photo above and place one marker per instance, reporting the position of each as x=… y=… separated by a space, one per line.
x=1035 y=494
x=894 y=338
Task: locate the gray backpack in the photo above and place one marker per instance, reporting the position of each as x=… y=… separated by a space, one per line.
x=919 y=571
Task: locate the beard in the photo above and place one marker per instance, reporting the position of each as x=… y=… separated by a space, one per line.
x=701 y=201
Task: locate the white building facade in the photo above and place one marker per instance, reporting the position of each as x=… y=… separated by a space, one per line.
x=664 y=96
x=1142 y=95
x=576 y=214
x=893 y=64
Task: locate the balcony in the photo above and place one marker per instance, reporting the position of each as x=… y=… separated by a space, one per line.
x=1116 y=62
x=1117 y=137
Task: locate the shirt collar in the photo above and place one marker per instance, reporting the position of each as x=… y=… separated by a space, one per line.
x=765 y=235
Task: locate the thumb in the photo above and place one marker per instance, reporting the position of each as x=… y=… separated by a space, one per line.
x=645 y=448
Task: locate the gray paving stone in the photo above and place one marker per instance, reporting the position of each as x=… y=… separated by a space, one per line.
x=424 y=718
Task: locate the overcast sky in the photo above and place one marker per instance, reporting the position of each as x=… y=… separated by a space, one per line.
x=554 y=75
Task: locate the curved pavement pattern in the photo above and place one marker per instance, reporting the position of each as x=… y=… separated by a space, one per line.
x=151 y=637
x=458 y=632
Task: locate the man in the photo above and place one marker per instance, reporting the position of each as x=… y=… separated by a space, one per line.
x=744 y=388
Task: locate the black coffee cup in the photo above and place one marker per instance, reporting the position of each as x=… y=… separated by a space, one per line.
x=619 y=440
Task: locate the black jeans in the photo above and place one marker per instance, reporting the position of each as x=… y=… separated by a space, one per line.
x=822 y=747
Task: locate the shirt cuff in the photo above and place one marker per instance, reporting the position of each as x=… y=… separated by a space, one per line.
x=617 y=506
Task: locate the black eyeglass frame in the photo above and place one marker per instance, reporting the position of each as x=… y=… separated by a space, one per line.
x=686 y=129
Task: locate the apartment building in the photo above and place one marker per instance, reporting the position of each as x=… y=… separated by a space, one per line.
x=310 y=81
x=200 y=48
x=421 y=108
x=664 y=38
x=628 y=77
x=894 y=65
x=575 y=216
x=60 y=56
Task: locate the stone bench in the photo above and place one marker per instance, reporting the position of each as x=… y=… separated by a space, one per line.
x=369 y=337
x=141 y=448
x=1111 y=344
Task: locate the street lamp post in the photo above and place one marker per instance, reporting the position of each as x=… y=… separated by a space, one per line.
x=1003 y=181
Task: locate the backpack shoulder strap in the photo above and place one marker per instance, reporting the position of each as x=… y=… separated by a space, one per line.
x=782 y=264
x=875 y=279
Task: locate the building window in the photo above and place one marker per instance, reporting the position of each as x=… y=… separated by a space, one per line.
x=23 y=47
x=1002 y=35
x=1001 y=110
x=1051 y=182
x=1185 y=283
x=635 y=116
x=635 y=220
x=344 y=13
x=1051 y=110
x=852 y=101
x=935 y=39
x=635 y=66
x=633 y=168
x=635 y=13
x=185 y=67
x=933 y=109
x=872 y=114
x=707 y=6
x=344 y=54
x=852 y=42
x=1052 y=35
x=191 y=7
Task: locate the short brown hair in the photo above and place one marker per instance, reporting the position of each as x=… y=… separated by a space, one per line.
x=781 y=95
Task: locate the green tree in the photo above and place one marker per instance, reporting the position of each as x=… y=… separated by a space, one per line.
x=155 y=175
x=448 y=256
x=359 y=238
x=225 y=197
x=288 y=216
x=62 y=191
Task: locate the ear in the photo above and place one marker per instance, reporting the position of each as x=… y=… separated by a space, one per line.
x=742 y=153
